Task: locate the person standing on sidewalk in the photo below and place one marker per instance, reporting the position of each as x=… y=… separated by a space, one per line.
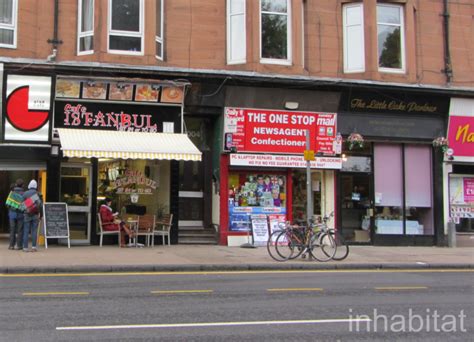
x=15 y=217
x=33 y=211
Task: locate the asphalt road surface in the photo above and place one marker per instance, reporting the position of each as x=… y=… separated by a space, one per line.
x=239 y=306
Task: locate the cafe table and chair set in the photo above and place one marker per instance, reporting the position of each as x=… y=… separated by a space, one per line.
x=146 y=226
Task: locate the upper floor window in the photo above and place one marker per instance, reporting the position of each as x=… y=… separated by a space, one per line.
x=390 y=38
x=159 y=29
x=236 y=33
x=353 y=37
x=126 y=22
x=85 y=37
x=275 y=28
x=8 y=23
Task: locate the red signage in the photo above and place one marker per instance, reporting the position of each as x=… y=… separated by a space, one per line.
x=275 y=131
x=461 y=135
x=20 y=116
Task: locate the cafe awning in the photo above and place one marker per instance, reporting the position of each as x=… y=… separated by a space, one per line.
x=85 y=143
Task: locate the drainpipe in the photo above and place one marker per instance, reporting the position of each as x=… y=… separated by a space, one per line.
x=447 y=55
x=55 y=41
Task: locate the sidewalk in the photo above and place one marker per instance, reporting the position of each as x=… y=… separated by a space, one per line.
x=58 y=259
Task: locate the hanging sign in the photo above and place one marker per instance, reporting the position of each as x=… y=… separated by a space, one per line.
x=259 y=130
x=27 y=108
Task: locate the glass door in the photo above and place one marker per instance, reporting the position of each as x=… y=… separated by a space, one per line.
x=76 y=193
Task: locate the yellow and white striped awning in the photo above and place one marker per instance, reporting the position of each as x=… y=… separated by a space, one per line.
x=85 y=143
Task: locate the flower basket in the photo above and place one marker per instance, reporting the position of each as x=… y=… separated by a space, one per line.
x=441 y=143
x=355 y=140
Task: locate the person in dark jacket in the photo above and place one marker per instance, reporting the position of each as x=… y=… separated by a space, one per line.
x=15 y=217
x=32 y=219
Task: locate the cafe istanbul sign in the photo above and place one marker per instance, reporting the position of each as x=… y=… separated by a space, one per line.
x=134 y=182
x=78 y=116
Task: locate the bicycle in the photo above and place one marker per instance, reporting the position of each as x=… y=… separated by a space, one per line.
x=296 y=240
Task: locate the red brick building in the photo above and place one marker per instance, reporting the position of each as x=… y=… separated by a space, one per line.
x=388 y=69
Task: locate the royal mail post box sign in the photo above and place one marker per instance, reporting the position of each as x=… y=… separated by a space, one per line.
x=276 y=131
x=27 y=108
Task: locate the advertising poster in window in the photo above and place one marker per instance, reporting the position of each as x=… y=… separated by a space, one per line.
x=461 y=196
x=275 y=131
x=254 y=194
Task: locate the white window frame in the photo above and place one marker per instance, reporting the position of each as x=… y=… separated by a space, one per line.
x=159 y=39
x=139 y=34
x=287 y=61
x=85 y=33
x=12 y=27
x=402 y=39
x=229 y=34
x=347 y=54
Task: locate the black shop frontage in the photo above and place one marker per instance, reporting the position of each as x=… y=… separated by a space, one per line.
x=100 y=137
x=390 y=186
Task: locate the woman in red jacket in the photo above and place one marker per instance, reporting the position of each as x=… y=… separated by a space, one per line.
x=111 y=221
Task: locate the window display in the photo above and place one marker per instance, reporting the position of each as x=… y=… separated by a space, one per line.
x=254 y=194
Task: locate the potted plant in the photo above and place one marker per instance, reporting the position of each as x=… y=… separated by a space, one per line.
x=442 y=143
x=355 y=140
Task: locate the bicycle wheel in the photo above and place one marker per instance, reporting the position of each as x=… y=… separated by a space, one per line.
x=271 y=246
x=342 y=250
x=284 y=245
x=298 y=242
x=322 y=246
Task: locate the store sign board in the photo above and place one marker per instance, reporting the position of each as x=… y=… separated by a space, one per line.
x=287 y=161
x=27 y=108
x=393 y=102
x=461 y=135
x=114 y=116
x=275 y=131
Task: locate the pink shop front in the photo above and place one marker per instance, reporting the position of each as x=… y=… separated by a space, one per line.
x=263 y=172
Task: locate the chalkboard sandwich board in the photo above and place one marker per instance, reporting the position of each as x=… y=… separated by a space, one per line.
x=56 y=222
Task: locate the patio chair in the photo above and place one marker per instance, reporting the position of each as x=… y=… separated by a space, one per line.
x=146 y=227
x=163 y=229
x=103 y=232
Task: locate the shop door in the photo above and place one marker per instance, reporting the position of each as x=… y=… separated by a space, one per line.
x=76 y=193
x=9 y=173
x=355 y=195
x=191 y=194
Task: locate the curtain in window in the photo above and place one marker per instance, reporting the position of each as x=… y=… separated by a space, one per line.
x=236 y=34
x=6 y=12
x=388 y=175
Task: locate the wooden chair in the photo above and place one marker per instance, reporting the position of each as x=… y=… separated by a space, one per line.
x=146 y=227
x=163 y=229
x=103 y=232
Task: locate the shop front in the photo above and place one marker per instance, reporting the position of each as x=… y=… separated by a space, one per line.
x=262 y=170
x=24 y=134
x=459 y=170
x=120 y=139
x=389 y=185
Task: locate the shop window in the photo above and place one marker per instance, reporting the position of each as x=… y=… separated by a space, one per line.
x=126 y=22
x=390 y=38
x=85 y=37
x=159 y=29
x=403 y=190
x=275 y=30
x=255 y=195
x=8 y=23
x=353 y=38
x=236 y=32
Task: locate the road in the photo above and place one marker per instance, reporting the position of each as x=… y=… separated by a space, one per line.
x=431 y=305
